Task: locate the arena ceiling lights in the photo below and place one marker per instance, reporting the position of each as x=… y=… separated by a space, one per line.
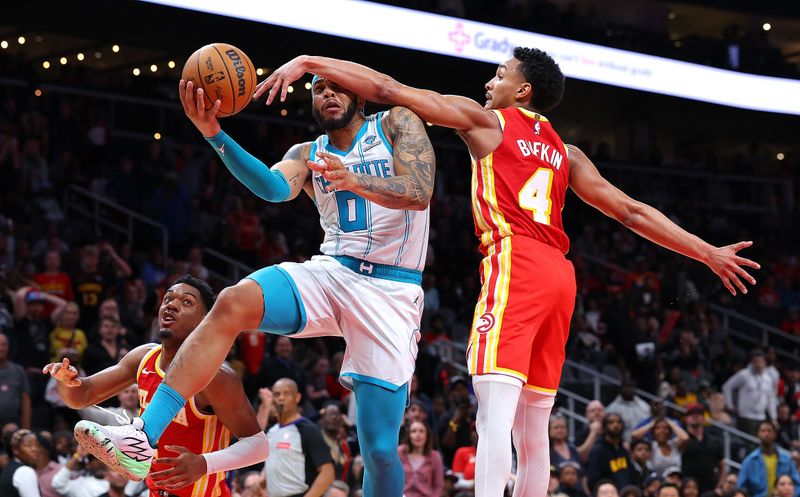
x=489 y=43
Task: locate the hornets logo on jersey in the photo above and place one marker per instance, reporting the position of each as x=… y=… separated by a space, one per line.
x=362 y=229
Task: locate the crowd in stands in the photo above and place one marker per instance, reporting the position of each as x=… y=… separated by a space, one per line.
x=643 y=316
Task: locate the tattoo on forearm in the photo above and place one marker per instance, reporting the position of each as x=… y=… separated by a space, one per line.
x=414 y=164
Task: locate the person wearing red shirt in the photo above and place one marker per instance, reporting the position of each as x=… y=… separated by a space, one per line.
x=54 y=281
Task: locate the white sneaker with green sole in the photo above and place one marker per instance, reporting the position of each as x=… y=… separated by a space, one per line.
x=124 y=449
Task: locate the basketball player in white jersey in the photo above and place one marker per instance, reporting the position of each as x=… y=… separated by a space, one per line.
x=371 y=179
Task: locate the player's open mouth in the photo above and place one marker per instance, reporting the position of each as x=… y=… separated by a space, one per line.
x=331 y=106
x=167 y=318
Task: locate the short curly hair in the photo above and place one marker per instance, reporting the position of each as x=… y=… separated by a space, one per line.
x=544 y=75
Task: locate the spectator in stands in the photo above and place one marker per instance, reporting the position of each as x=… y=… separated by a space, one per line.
x=641 y=452
x=703 y=458
x=631 y=408
x=109 y=351
x=334 y=432
x=561 y=449
x=666 y=448
x=338 y=489
x=90 y=286
x=18 y=478
x=53 y=280
x=787 y=427
x=464 y=463
x=784 y=486
x=651 y=485
x=90 y=481
x=752 y=394
x=455 y=425
x=46 y=466
x=609 y=459
x=762 y=467
x=588 y=435
x=422 y=465
x=789 y=387
x=668 y=490
x=606 y=488
x=15 y=400
x=673 y=475
x=299 y=461
x=728 y=484
x=116 y=485
x=66 y=335
x=279 y=365
x=317 y=382
x=689 y=488
x=569 y=480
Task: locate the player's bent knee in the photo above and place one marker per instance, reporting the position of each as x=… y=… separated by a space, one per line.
x=382 y=456
x=237 y=303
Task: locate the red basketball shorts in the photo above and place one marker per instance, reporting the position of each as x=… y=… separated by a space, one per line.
x=522 y=318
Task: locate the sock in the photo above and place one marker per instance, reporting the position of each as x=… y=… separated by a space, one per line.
x=532 y=443
x=379 y=414
x=166 y=404
x=497 y=404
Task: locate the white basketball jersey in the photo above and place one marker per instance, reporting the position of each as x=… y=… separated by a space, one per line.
x=362 y=229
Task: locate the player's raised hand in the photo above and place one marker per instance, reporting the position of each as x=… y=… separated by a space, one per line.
x=63 y=372
x=334 y=172
x=194 y=105
x=184 y=470
x=729 y=266
x=281 y=78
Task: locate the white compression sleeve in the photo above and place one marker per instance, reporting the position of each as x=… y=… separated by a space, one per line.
x=532 y=443
x=245 y=452
x=497 y=404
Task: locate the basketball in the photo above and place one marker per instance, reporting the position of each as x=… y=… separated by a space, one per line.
x=224 y=72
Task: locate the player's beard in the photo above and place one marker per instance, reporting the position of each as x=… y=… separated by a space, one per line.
x=165 y=333
x=336 y=123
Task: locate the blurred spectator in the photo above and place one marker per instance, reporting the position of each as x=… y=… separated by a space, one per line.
x=65 y=336
x=455 y=424
x=588 y=435
x=46 y=466
x=15 y=400
x=279 y=365
x=629 y=406
x=464 y=463
x=666 y=448
x=785 y=486
x=18 y=478
x=762 y=467
x=116 y=485
x=299 y=460
x=641 y=452
x=728 y=484
x=317 y=382
x=689 y=488
x=338 y=489
x=90 y=286
x=53 y=280
x=423 y=467
x=606 y=488
x=569 y=481
x=752 y=394
x=609 y=459
x=561 y=449
x=787 y=427
x=672 y=475
x=90 y=481
x=703 y=458
x=109 y=351
x=668 y=490
x=334 y=432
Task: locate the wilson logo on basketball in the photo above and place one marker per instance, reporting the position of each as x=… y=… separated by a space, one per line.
x=485 y=322
x=238 y=68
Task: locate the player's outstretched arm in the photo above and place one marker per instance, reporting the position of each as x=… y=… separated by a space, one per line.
x=451 y=111
x=226 y=398
x=78 y=393
x=272 y=185
x=649 y=223
x=414 y=165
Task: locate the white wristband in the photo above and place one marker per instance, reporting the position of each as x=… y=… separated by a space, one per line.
x=245 y=452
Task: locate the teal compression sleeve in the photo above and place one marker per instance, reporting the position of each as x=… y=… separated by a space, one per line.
x=254 y=174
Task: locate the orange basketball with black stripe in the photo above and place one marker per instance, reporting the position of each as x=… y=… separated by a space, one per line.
x=521 y=320
x=191 y=428
x=224 y=72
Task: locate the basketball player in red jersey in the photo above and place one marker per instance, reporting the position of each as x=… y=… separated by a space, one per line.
x=197 y=441
x=521 y=170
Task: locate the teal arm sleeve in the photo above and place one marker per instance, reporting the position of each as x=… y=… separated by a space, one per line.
x=254 y=174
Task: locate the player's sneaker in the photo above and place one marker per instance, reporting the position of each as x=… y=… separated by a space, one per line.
x=124 y=449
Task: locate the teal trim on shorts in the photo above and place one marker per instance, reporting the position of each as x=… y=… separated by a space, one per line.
x=380 y=271
x=284 y=311
x=374 y=381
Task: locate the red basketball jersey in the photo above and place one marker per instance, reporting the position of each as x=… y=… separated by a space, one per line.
x=198 y=432
x=519 y=188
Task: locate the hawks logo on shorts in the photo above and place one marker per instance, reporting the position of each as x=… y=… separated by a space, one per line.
x=198 y=432
x=521 y=323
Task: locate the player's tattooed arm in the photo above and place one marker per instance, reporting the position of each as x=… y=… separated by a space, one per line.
x=414 y=166
x=293 y=167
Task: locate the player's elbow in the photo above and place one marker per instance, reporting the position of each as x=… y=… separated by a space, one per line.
x=389 y=91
